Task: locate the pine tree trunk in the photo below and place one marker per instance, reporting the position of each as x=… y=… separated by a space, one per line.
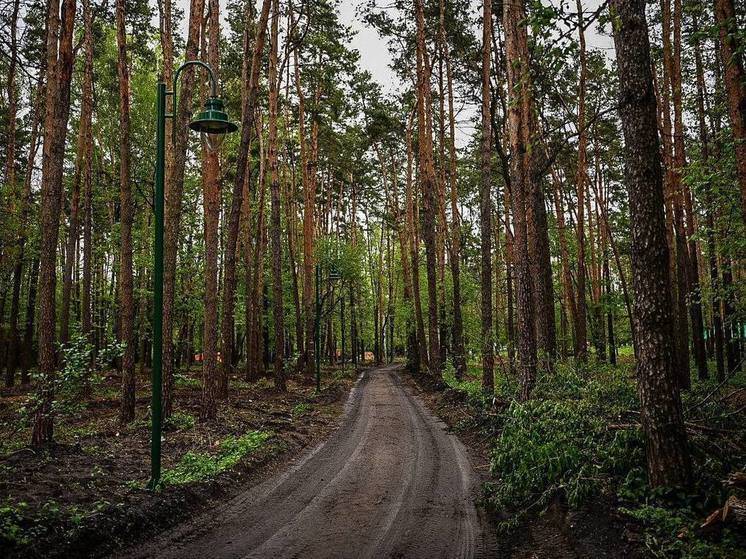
x=694 y=294
x=516 y=47
x=428 y=186
x=234 y=217
x=485 y=209
x=459 y=358
x=126 y=287
x=414 y=242
x=668 y=459
x=275 y=222
x=211 y=210
x=581 y=180
x=717 y=319
x=173 y=203
x=59 y=66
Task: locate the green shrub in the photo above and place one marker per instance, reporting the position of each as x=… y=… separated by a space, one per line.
x=180 y=421
x=197 y=466
x=547 y=446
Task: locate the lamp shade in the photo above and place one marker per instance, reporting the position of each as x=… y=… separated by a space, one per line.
x=213 y=122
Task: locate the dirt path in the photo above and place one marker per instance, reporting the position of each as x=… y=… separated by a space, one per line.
x=389 y=482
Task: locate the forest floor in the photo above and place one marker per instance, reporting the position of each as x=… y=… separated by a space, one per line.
x=85 y=495
x=596 y=530
x=565 y=471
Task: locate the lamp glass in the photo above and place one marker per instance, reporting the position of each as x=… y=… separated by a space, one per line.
x=213 y=140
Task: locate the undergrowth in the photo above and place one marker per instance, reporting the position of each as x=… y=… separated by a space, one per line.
x=579 y=439
x=198 y=466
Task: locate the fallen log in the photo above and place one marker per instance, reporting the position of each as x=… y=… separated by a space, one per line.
x=734 y=511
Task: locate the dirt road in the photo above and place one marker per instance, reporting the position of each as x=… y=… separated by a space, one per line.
x=389 y=482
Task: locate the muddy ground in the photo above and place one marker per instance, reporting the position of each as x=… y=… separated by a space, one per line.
x=85 y=495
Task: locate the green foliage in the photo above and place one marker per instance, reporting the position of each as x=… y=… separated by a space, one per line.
x=197 y=466
x=552 y=445
x=81 y=372
x=12 y=530
x=668 y=534
x=180 y=421
x=578 y=437
x=301 y=409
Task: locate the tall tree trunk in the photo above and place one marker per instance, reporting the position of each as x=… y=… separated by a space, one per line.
x=516 y=50
x=567 y=284
x=59 y=66
x=581 y=180
x=735 y=85
x=10 y=188
x=459 y=358
x=309 y=207
x=126 y=286
x=674 y=210
x=234 y=217
x=173 y=205
x=428 y=185
x=668 y=459
x=694 y=293
x=704 y=140
x=275 y=222
x=211 y=209
x=485 y=208
x=414 y=241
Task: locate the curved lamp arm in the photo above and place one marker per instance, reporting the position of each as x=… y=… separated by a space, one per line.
x=213 y=87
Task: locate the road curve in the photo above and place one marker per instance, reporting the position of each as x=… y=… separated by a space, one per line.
x=389 y=482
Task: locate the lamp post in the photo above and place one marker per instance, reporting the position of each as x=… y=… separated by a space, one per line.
x=213 y=124
x=333 y=276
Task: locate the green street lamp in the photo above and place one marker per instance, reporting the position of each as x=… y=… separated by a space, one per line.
x=213 y=124
x=334 y=275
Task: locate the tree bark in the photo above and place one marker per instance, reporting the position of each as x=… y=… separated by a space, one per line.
x=516 y=50
x=174 y=195
x=59 y=66
x=668 y=459
x=428 y=186
x=717 y=319
x=275 y=222
x=581 y=179
x=247 y=129
x=485 y=208
x=126 y=281
x=211 y=210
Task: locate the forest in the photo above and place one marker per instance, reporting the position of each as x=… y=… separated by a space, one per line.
x=487 y=256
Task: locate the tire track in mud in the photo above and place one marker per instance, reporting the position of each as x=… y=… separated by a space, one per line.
x=389 y=482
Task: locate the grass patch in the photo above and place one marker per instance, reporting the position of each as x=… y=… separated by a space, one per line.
x=180 y=421
x=197 y=466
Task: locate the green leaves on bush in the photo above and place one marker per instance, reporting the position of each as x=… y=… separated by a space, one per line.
x=548 y=446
